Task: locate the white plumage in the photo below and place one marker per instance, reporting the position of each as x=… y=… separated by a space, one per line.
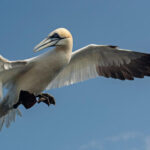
x=60 y=67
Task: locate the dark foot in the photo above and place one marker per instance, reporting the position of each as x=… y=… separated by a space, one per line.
x=27 y=99
x=46 y=98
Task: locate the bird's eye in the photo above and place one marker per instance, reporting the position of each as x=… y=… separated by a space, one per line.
x=55 y=35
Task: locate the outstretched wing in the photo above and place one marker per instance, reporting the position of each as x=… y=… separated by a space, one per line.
x=8 y=70
x=99 y=60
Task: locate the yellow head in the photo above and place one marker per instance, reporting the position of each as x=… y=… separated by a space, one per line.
x=58 y=37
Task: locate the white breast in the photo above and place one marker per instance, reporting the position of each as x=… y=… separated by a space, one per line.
x=45 y=69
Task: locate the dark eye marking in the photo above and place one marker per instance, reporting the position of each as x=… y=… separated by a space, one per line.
x=55 y=35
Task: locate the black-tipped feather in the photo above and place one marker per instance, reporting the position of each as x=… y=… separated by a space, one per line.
x=138 y=68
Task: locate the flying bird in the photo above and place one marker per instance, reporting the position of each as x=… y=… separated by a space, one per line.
x=26 y=79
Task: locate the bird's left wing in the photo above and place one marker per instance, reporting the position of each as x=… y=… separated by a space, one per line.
x=8 y=70
x=99 y=60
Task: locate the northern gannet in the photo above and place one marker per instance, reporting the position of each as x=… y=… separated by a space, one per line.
x=26 y=79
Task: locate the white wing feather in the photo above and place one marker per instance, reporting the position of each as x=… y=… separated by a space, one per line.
x=8 y=70
x=99 y=60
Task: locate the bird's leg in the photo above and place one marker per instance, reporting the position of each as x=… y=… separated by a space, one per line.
x=46 y=98
x=27 y=99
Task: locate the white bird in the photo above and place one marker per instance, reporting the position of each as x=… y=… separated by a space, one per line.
x=26 y=79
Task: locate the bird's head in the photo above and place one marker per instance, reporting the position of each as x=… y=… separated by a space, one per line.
x=59 y=37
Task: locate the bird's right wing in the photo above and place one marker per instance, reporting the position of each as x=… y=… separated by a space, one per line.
x=100 y=60
x=9 y=70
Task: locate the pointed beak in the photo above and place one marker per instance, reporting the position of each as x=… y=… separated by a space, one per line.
x=47 y=42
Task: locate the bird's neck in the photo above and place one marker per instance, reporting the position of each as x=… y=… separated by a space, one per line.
x=67 y=47
x=64 y=48
x=58 y=54
x=65 y=51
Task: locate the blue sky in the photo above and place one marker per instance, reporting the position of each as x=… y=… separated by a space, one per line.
x=99 y=114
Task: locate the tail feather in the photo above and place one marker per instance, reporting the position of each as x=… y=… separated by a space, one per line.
x=7 y=112
x=9 y=118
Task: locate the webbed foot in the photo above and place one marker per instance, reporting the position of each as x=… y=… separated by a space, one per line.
x=27 y=99
x=46 y=98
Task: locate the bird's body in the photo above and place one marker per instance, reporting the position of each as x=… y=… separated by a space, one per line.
x=60 y=67
x=44 y=69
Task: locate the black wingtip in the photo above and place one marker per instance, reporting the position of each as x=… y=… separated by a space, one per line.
x=112 y=46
